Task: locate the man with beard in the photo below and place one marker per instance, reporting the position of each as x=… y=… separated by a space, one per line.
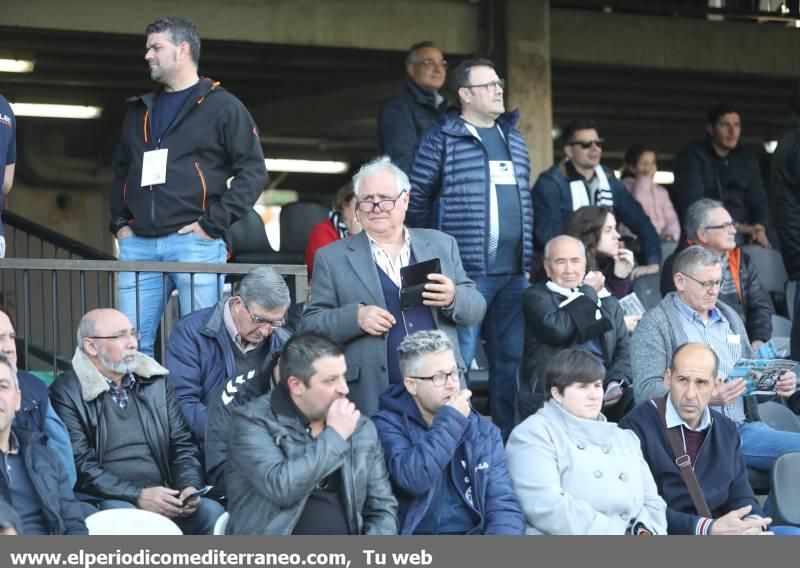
x=131 y=443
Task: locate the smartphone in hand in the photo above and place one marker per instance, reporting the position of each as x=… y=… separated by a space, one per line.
x=199 y=493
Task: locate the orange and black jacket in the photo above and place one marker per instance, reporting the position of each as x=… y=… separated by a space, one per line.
x=213 y=138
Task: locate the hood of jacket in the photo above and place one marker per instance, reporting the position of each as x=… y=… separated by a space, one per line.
x=93 y=383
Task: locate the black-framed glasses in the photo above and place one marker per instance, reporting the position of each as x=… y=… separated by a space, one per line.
x=586 y=144
x=382 y=205
x=440 y=379
x=432 y=63
x=727 y=226
x=706 y=285
x=490 y=86
x=118 y=336
x=259 y=321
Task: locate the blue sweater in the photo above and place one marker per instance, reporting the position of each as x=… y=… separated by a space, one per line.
x=719 y=468
x=450 y=188
x=552 y=201
x=417 y=454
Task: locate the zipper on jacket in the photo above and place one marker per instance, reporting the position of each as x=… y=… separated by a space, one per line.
x=202 y=183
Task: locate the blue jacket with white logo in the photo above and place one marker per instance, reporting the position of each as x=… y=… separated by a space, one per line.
x=417 y=454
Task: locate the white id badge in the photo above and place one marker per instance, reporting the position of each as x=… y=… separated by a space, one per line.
x=154 y=167
x=734 y=339
x=502 y=172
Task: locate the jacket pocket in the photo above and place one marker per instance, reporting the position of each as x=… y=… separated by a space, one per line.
x=202 y=184
x=353 y=373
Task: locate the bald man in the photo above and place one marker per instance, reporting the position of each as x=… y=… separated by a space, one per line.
x=117 y=403
x=710 y=440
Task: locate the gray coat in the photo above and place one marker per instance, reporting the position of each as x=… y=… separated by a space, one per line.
x=345 y=275
x=658 y=335
x=274 y=464
x=576 y=476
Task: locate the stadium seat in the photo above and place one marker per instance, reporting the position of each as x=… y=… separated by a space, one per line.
x=771 y=273
x=785 y=498
x=779 y=417
x=648 y=289
x=297 y=220
x=781 y=326
x=130 y=522
x=222 y=522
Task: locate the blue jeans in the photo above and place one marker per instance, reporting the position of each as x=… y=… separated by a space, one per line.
x=503 y=331
x=200 y=522
x=761 y=445
x=154 y=290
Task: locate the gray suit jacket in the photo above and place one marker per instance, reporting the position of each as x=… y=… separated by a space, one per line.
x=345 y=275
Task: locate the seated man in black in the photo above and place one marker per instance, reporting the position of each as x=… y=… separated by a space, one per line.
x=573 y=309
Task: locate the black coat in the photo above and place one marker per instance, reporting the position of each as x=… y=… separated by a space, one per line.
x=755 y=307
x=62 y=512
x=785 y=189
x=550 y=329
x=78 y=396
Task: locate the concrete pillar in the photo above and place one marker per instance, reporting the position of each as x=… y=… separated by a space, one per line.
x=528 y=75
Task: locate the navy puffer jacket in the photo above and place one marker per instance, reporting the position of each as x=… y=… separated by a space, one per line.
x=450 y=187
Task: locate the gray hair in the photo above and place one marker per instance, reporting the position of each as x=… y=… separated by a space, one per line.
x=376 y=165
x=4 y=360
x=178 y=30
x=692 y=258
x=412 y=51
x=697 y=215
x=417 y=345
x=264 y=287
x=564 y=237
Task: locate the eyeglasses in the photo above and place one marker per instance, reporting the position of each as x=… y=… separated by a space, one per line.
x=586 y=144
x=432 y=63
x=727 y=226
x=707 y=285
x=119 y=336
x=259 y=321
x=490 y=86
x=382 y=205
x=440 y=379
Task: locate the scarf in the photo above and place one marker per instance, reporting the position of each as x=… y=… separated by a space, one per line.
x=579 y=188
x=339 y=224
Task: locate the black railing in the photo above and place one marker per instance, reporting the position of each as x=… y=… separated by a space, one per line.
x=47 y=297
x=756 y=10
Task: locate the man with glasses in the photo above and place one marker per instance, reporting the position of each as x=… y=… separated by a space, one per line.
x=692 y=314
x=707 y=223
x=471 y=179
x=236 y=337
x=131 y=443
x=581 y=180
x=405 y=118
x=446 y=462
x=355 y=293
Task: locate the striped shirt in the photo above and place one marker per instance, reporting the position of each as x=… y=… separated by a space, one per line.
x=718 y=335
x=385 y=262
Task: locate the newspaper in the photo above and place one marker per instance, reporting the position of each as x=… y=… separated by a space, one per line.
x=761 y=375
x=631 y=305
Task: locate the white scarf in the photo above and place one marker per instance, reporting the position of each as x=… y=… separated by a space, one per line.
x=602 y=197
x=573 y=294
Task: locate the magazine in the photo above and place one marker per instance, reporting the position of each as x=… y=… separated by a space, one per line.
x=631 y=305
x=761 y=375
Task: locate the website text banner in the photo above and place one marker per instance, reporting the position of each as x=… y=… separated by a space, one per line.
x=391 y=552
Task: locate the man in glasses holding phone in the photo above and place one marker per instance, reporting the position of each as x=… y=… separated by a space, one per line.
x=356 y=290
x=581 y=180
x=233 y=338
x=471 y=179
x=693 y=314
x=406 y=117
x=131 y=443
x=446 y=462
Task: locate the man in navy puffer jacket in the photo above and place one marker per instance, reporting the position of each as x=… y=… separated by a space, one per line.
x=470 y=178
x=446 y=462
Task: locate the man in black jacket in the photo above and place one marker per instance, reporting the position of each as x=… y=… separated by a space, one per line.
x=707 y=223
x=32 y=478
x=170 y=200
x=573 y=309
x=720 y=168
x=404 y=118
x=131 y=443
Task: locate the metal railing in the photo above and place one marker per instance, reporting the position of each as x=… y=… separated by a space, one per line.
x=47 y=297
